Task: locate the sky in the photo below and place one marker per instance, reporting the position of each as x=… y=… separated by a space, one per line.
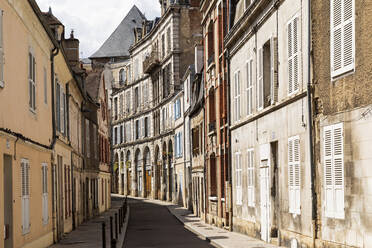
x=94 y=20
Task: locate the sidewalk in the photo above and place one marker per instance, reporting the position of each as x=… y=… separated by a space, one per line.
x=215 y=236
x=89 y=234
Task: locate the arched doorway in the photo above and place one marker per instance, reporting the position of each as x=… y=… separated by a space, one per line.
x=170 y=169
x=138 y=171
x=147 y=168
x=157 y=170
x=128 y=167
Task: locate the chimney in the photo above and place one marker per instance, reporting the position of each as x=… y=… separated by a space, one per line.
x=71 y=48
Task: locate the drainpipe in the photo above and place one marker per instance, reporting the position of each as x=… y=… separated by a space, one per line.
x=310 y=127
x=54 y=53
x=227 y=55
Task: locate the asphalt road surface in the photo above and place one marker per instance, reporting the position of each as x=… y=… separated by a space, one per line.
x=152 y=225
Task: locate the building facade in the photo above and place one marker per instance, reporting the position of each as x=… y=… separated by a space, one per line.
x=270 y=152
x=342 y=72
x=214 y=23
x=144 y=112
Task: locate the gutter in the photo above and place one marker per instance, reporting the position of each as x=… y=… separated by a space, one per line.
x=314 y=214
x=227 y=55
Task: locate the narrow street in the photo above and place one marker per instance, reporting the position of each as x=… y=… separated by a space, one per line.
x=152 y=225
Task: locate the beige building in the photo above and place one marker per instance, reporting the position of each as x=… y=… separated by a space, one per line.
x=26 y=135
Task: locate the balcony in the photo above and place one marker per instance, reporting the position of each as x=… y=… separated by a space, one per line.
x=151 y=61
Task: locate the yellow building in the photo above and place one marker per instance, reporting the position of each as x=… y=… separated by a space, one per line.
x=25 y=126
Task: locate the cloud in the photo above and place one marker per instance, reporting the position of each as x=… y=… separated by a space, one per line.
x=94 y=20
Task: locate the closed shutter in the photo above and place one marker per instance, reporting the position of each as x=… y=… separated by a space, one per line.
x=44 y=168
x=250 y=165
x=238 y=169
x=180 y=139
x=293 y=30
x=334 y=171
x=58 y=105
x=294 y=175
x=62 y=111
x=260 y=78
x=237 y=95
x=274 y=69
x=25 y=196
x=342 y=36
x=249 y=86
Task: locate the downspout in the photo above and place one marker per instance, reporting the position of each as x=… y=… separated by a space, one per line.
x=54 y=53
x=229 y=139
x=310 y=128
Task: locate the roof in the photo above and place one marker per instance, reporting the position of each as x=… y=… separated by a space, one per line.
x=92 y=83
x=119 y=42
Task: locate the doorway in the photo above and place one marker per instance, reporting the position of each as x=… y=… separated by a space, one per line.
x=8 y=202
x=265 y=200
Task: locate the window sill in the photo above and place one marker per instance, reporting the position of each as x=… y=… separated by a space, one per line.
x=213 y=198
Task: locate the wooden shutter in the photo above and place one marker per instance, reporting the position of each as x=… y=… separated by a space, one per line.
x=44 y=168
x=293 y=30
x=297 y=175
x=25 y=196
x=238 y=179
x=291 y=198
x=342 y=36
x=260 y=78
x=62 y=110
x=249 y=86
x=251 y=188
x=334 y=171
x=338 y=168
x=274 y=69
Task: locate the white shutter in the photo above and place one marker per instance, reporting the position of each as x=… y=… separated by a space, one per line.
x=238 y=96
x=342 y=36
x=238 y=179
x=274 y=69
x=293 y=29
x=328 y=178
x=291 y=198
x=260 y=78
x=25 y=196
x=297 y=175
x=338 y=171
x=45 y=193
x=249 y=86
x=251 y=200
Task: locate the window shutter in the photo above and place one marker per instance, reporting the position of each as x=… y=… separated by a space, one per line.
x=238 y=179
x=342 y=36
x=296 y=47
x=45 y=193
x=338 y=170
x=260 y=78
x=328 y=178
x=290 y=57
x=274 y=69
x=25 y=197
x=297 y=175
x=251 y=200
x=58 y=107
x=62 y=111
x=291 y=176
x=249 y=86
x=1 y=49
x=238 y=96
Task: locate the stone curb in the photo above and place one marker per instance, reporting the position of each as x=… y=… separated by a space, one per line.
x=120 y=244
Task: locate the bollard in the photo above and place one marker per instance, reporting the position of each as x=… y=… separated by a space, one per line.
x=121 y=217
x=119 y=220
x=111 y=232
x=113 y=243
x=116 y=226
x=103 y=234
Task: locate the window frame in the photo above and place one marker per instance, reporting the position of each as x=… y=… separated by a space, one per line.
x=32 y=81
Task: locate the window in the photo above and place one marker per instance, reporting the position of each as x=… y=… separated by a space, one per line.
x=121 y=105
x=249 y=89
x=136 y=98
x=237 y=95
x=162 y=46
x=45 y=86
x=32 y=81
x=115 y=108
x=44 y=169
x=294 y=175
x=251 y=176
x=63 y=109
x=293 y=55
x=1 y=51
x=334 y=171
x=177 y=109
x=121 y=134
x=127 y=102
x=210 y=43
x=268 y=74
x=195 y=141
x=137 y=129
x=122 y=77
x=178 y=144
x=87 y=134
x=58 y=104
x=147 y=127
x=25 y=167
x=342 y=37
x=238 y=171
x=168 y=40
